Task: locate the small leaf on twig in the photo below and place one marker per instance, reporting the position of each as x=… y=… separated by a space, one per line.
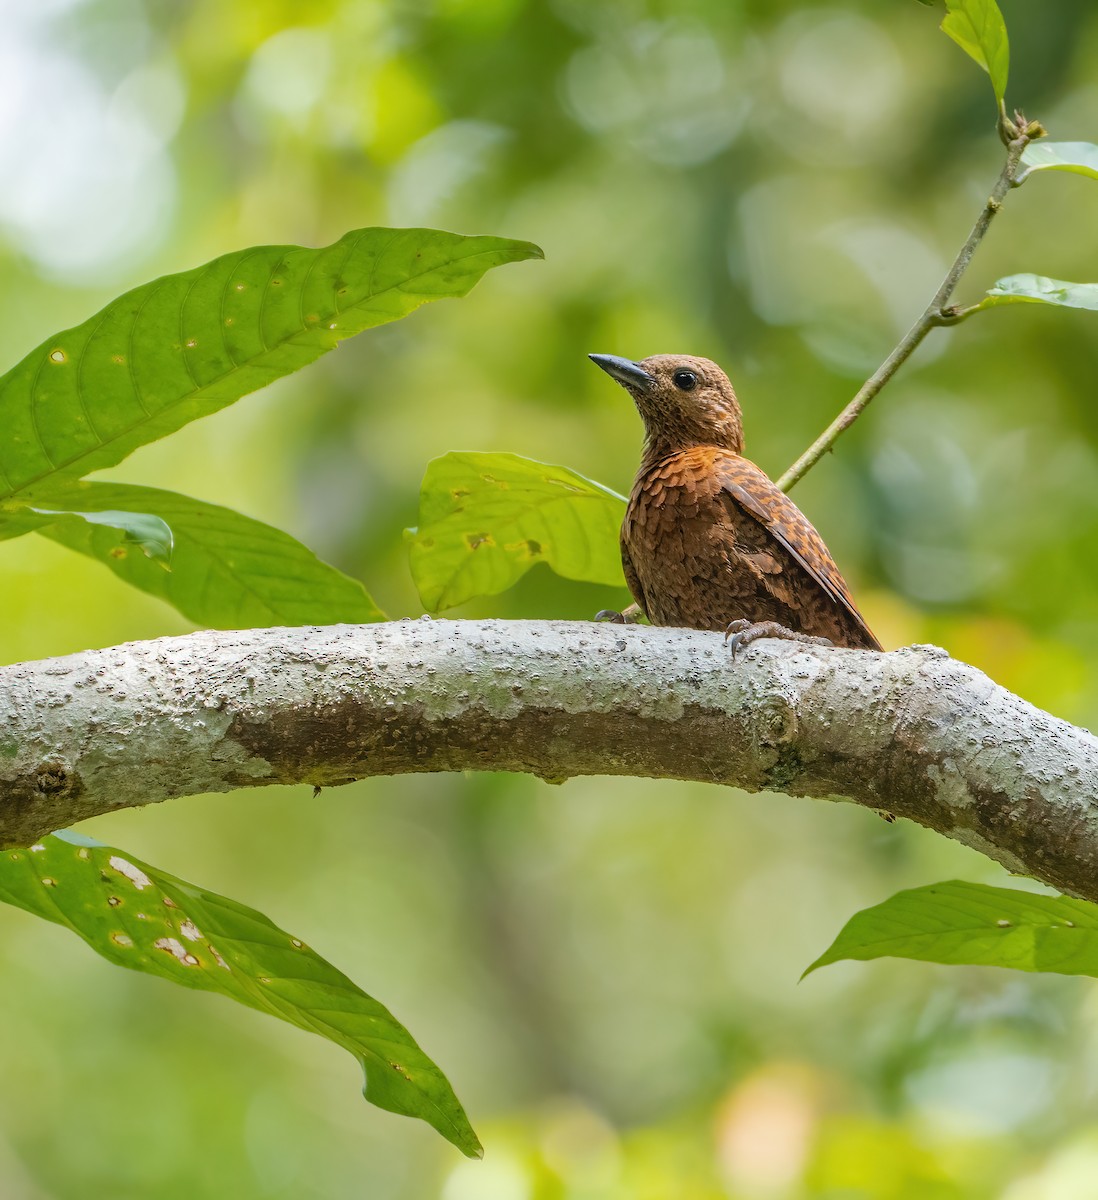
x=1080 y=158
x=977 y=26
x=1039 y=289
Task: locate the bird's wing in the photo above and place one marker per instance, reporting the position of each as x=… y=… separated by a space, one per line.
x=743 y=484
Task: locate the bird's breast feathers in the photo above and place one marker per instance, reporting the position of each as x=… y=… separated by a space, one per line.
x=707 y=531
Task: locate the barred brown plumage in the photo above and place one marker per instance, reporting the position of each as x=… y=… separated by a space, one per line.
x=708 y=541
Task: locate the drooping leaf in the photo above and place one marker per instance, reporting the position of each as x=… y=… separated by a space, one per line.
x=151 y=534
x=187 y=345
x=228 y=571
x=1039 y=289
x=486 y=519
x=1080 y=158
x=147 y=920
x=957 y=922
x=977 y=26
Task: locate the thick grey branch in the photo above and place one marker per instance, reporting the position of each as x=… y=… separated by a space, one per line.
x=913 y=731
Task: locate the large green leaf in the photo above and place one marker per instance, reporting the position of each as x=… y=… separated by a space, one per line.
x=1080 y=158
x=189 y=344
x=228 y=571
x=486 y=519
x=957 y=922
x=977 y=26
x=145 y=919
x=1038 y=289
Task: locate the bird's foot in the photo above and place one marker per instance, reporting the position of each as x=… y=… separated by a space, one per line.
x=629 y=617
x=740 y=634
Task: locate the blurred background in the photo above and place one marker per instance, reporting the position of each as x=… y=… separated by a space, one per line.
x=607 y=970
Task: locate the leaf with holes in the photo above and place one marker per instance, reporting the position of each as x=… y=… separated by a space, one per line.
x=957 y=922
x=145 y=919
x=977 y=26
x=117 y=528
x=187 y=345
x=1039 y=289
x=486 y=519
x=1079 y=158
x=228 y=571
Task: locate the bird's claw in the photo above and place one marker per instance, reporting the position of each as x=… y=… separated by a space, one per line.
x=734 y=632
x=741 y=634
x=612 y=615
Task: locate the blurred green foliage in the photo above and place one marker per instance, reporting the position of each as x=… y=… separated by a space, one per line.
x=607 y=969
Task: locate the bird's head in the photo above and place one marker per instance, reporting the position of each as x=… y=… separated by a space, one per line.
x=684 y=401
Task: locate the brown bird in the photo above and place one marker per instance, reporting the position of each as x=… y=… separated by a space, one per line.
x=708 y=542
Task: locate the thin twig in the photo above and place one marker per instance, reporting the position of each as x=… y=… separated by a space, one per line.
x=935 y=314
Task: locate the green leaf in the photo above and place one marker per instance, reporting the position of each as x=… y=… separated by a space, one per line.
x=957 y=922
x=486 y=519
x=187 y=345
x=145 y=919
x=977 y=26
x=150 y=533
x=1081 y=158
x=228 y=571
x=1038 y=289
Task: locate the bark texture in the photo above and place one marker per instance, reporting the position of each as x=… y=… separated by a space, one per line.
x=912 y=731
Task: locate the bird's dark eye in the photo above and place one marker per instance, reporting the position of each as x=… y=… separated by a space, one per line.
x=685 y=381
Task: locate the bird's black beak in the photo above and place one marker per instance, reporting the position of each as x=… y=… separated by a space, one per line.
x=629 y=374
